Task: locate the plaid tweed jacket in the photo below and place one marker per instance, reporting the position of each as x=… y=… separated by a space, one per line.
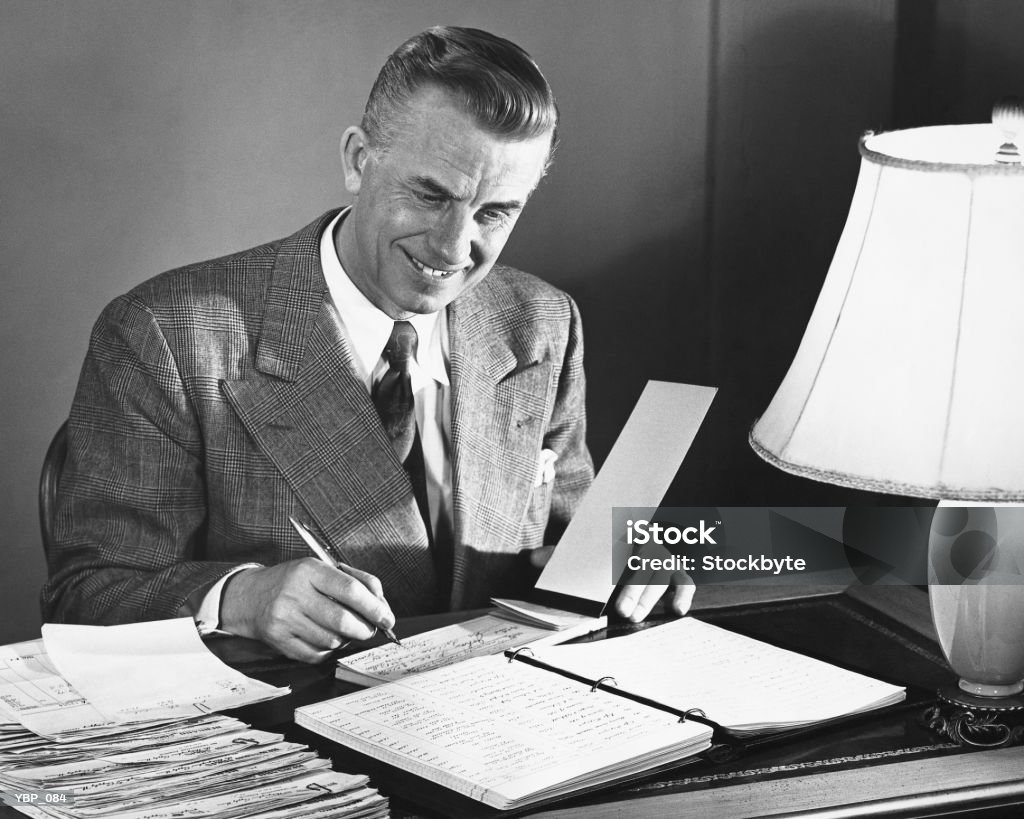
x=218 y=399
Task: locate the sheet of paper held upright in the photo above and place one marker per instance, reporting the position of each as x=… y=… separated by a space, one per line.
x=637 y=472
x=151 y=670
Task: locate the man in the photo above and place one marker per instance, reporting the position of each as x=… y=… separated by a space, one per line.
x=221 y=399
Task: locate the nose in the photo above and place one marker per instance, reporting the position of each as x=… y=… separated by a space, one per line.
x=452 y=237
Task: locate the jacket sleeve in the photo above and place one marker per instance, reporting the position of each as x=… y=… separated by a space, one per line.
x=567 y=434
x=131 y=507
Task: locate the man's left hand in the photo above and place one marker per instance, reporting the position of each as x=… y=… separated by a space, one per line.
x=635 y=600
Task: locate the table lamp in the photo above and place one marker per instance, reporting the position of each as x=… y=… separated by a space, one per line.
x=910 y=377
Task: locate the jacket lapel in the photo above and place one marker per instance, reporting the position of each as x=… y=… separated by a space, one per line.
x=500 y=395
x=313 y=419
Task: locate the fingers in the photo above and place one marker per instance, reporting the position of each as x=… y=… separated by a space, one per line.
x=304 y=608
x=636 y=599
x=353 y=593
x=641 y=589
x=309 y=642
x=682 y=596
x=635 y=602
x=333 y=617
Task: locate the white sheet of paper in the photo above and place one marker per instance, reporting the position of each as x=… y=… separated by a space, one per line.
x=40 y=699
x=488 y=634
x=443 y=646
x=152 y=670
x=637 y=472
x=741 y=683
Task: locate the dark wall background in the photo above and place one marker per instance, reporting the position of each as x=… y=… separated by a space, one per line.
x=708 y=158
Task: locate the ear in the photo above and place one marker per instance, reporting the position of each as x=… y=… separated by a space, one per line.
x=354 y=153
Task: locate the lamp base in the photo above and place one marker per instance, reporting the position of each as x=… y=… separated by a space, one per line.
x=988 y=691
x=979 y=722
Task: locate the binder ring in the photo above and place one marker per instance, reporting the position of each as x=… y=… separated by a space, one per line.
x=594 y=687
x=515 y=653
x=697 y=711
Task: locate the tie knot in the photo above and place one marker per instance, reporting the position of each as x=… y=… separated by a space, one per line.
x=401 y=346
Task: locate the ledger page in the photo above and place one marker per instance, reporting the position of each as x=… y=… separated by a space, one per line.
x=742 y=683
x=443 y=646
x=500 y=731
x=488 y=634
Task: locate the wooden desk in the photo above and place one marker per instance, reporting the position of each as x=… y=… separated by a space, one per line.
x=883 y=766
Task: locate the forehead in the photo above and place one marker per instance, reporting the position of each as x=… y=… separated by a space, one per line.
x=435 y=138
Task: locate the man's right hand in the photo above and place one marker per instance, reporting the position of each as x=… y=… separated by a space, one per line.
x=304 y=608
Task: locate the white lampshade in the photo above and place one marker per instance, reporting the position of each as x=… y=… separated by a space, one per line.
x=910 y=376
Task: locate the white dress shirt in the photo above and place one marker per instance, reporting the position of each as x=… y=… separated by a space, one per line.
x=366 y=329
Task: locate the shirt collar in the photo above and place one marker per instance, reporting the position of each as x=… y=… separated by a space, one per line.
x=368 y=328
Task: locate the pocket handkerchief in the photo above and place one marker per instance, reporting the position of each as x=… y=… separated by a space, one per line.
x=545 y=467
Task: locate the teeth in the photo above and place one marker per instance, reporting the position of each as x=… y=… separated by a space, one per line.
x=430 y=271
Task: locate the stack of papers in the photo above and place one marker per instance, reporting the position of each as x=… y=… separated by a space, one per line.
x=209 y=766
x=105 y=721
x=84 y=681
x=545 y=617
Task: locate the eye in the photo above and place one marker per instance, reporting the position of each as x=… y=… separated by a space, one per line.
x=491 y=216
x=431 y=198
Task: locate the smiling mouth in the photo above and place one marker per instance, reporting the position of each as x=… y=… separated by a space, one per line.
x=433 y=272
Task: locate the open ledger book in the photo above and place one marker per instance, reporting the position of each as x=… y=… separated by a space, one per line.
x=513 y=730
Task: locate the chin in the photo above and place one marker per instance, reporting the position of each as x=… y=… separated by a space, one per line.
x=430 y=306
x=419 y=304
x=432 y=302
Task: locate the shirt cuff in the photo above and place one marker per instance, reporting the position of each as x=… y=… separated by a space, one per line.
x=208 y=617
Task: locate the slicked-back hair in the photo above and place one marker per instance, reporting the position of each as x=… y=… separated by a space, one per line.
x=499 y=84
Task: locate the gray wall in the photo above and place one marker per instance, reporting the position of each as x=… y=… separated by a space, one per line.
x=706 y=166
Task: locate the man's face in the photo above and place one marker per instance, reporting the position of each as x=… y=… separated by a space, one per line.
x=434 y=210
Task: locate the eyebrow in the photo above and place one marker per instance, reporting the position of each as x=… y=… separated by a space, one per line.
x=434 y=187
